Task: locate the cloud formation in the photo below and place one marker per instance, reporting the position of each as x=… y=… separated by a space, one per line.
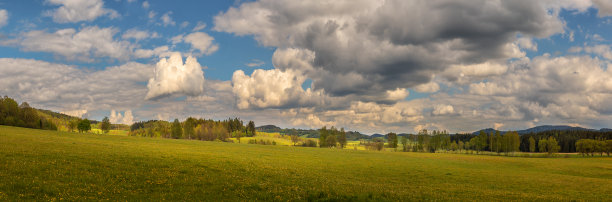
x=72 y=90
x=273 y=89
x=71 y=11
x=358 y=49
x=84 y=44
x=3 y=17
x=202 y=42
x=117 y=118
x=172 y=76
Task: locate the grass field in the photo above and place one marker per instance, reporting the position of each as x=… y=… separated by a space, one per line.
x=49 y=165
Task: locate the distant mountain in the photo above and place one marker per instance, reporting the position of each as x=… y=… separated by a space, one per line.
x=487 y=131
x=544 y=128
x=605 y=130
x=375 y=135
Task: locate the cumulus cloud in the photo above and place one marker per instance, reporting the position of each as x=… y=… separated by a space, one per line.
x=443 y=110
x=76 y=113
x=357 y=48
x=202 y=42
x=430 y=87
x=604 y=7
x=600 y=50
x=84 y=44
x=117 y=118
x=527 y=43
x=71 y=11
x=3 y=17
x=463 y=74
x=172 y=76
x=273 y=89
x=73 y=90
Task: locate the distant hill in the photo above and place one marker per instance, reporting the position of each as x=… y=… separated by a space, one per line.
x=308 y=133
x=268 y=128
x=375 y=135
x=544 y=128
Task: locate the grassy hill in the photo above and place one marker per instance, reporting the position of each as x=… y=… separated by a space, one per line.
x=51 y=165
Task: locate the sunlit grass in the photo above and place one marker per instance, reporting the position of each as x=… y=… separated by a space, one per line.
x=49 y=165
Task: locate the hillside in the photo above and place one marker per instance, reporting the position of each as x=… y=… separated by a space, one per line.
x=51 y=165
x=308 y=133
x=544 y=128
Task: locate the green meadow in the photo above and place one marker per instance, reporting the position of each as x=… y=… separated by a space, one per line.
x=50 y=165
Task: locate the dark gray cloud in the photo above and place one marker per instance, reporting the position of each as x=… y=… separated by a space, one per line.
x=365 y=48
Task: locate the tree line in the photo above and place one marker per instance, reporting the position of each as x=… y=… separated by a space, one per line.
x=12 y=114
x=194 y=129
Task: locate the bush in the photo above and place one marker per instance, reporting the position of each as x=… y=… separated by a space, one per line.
x=309 y=143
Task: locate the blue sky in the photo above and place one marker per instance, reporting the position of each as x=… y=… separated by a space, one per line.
x=372 y=66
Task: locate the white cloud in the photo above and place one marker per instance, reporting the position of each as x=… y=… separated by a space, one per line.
x=73 y=90
x=200 y=26
x=152 y=15
x=202 y=42
x=255 y=63
x=173 y=76
x=3 y=17
x=604 y=6
x=397 y=94
x=76 y=113
x=146 y=5
x=137 y=34
x=161 y=51
x=359 y=50
x=166 y=19
x=430 y=87
x=443 y=110
x=464 y=74
x=71 y=11
x=83 y=45
x=527 y=43
x=116 y=117
x=273 y=88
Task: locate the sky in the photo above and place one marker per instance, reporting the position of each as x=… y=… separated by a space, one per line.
x=373 y=66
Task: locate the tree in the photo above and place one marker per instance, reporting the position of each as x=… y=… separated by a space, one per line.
x=608 y=147
x=84 y=126
x=251 y=128
x=188 y=128
x=552 y=146
x=392 y=140
x=177 y=130
x=237 y=135
x=105 y=125
x=295 y=139
x=404 y=143
x=542 y=145
x=72 y=124
x=342 y=138
x=323 y=137
x=532 y=144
